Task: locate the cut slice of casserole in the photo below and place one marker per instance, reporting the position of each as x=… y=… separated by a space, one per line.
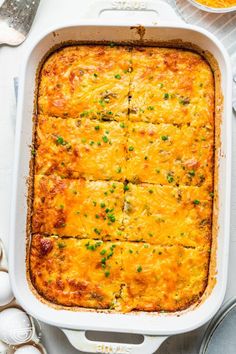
x=76 y=272
x=166 y=215
x=77 y=208
x=81 y=148
x=86 y=81
x=162 y=278
x=169 y=154
x=171 y=86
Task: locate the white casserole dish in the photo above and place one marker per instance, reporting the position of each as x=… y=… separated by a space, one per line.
x=155 y=327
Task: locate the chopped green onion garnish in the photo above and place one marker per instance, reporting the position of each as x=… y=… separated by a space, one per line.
x=166 y=96
x=170 y=178
x=196 y=202
x=139 y=269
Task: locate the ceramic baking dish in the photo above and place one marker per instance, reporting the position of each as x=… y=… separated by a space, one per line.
x=154 y=326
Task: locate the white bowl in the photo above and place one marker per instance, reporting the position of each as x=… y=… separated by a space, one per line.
x=213 y=9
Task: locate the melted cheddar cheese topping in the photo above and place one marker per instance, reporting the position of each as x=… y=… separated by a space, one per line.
x=165 y=215
x=171 y=86
x=72 y=147
x=75 y=207
x=220 y=4
x=169 y=154
x=86 y=81
x=76 y=272
x=89 y=273
x=123 y=178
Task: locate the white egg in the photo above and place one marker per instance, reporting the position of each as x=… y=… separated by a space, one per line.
x=6 y=295
x=15 y=326
x=27 y=349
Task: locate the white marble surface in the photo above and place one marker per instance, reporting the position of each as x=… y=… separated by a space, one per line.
x=52 y=12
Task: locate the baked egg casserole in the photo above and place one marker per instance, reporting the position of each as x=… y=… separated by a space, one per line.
x=122 y=178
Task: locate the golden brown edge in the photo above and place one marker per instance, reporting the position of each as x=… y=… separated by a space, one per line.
x=179 y=44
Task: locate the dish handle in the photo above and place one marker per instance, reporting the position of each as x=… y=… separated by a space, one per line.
x=155 y=10
x=79 y=340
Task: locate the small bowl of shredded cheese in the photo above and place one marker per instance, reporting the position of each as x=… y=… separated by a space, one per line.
x=217 y=6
